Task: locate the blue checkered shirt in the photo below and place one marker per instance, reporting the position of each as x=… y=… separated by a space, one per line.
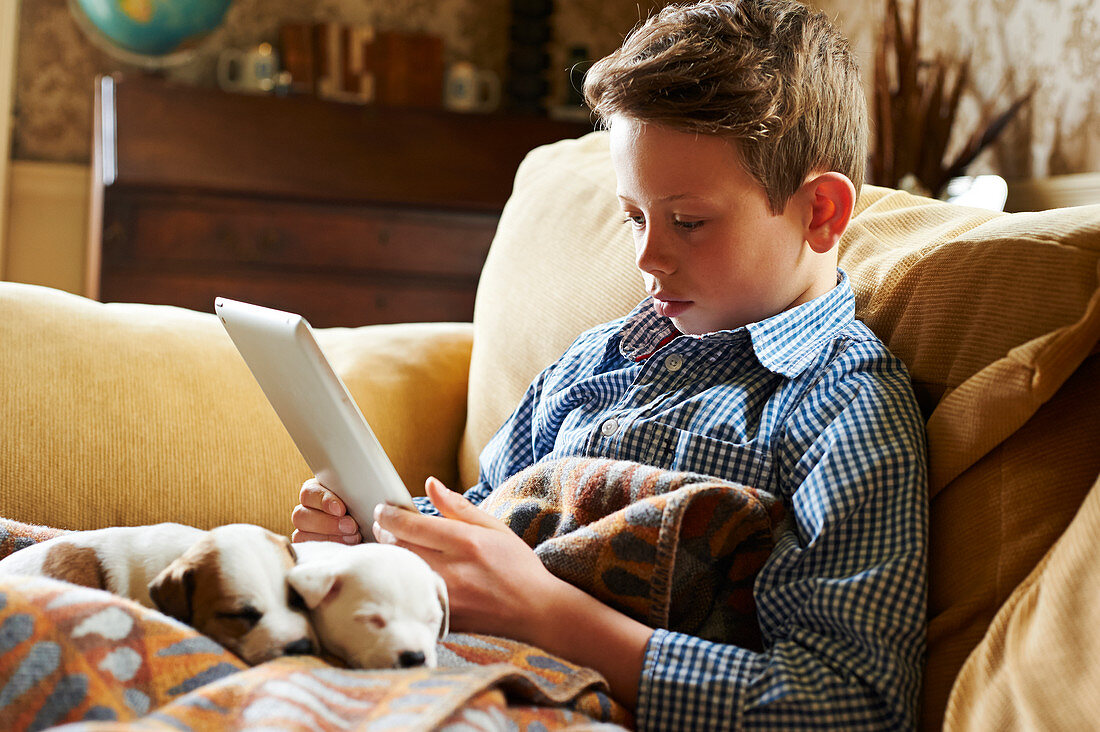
x=807 y=404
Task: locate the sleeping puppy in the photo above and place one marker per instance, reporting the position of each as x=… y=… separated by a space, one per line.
x=231 y=585
x=228 y=583
x=372 y=605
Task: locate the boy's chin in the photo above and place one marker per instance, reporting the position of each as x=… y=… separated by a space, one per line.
x=692 y=319
x=692 y=326
x=696 y=322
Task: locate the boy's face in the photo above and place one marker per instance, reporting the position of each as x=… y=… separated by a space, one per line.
x=712 y=254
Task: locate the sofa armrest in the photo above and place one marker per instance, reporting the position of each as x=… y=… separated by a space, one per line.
x=123 y=414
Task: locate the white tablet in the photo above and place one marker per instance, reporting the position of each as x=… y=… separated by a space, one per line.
x=315 y=407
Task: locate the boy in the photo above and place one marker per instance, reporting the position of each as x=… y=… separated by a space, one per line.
x=738 y=137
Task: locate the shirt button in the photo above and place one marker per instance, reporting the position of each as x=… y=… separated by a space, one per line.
x=674 y=362
x=609 y=427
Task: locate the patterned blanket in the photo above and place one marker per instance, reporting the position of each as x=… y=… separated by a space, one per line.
x=636 y=537
x=671 y=549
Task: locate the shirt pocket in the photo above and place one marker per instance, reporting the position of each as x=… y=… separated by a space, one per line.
x=677 y=449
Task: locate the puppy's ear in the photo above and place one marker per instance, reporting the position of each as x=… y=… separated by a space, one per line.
x=314 y=582
x=445 y=603
x=172 y=590
x=284 y=546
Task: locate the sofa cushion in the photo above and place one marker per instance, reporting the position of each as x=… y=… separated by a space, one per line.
x=562 y=261
x=991 y=312
x=133 y=414
x=993 y=523
x=956 y=292
x=1036 y=668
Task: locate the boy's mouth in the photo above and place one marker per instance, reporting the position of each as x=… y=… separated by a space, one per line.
x=670 y=308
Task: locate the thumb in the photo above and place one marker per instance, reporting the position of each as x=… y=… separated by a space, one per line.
x=454 y=505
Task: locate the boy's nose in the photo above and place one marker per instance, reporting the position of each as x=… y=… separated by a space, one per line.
x=650 y=254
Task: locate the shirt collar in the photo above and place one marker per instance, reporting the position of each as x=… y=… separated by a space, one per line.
x=784 y=343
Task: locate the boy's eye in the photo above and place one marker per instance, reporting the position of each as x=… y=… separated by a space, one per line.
x=688 y=224
x=635 y=220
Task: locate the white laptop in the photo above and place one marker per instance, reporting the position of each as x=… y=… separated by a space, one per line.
x=315 y=407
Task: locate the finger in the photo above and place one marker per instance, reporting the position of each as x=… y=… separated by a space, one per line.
x=456 y=506
x=300 y=536
x=411 y=529
x=314 y=495
x=312 y=521
x=381 y=535
x=435 y=558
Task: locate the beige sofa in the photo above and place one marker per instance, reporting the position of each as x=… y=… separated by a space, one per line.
x=128 y=414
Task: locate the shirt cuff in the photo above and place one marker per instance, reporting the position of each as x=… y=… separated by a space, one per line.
x=692 y=684
x=475 y=495
x=424 y=506
x=478 y=493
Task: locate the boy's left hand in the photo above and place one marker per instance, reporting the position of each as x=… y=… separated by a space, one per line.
x=495 y=582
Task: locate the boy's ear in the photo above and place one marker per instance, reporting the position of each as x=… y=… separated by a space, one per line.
x=832 y=197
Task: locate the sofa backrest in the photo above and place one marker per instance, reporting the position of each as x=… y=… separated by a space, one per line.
x=996 y=315
x=562 y=261
x=121 y=414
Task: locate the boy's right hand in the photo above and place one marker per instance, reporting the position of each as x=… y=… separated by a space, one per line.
x=321 y=516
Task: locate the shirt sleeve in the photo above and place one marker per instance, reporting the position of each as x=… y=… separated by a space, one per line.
x=841 y=601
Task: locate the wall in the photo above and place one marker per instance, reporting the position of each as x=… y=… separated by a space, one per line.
x=9 y=24
x=47 y=224
x=1054 y=43
x=57 y=66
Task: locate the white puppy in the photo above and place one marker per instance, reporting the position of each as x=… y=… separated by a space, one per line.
x=372 y=605
x=228 y=583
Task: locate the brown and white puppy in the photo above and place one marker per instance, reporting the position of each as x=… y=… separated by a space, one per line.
x=372 y=605
x=228 y=583
x=231 y=585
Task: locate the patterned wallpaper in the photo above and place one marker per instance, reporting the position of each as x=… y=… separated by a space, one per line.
x=1054 y=43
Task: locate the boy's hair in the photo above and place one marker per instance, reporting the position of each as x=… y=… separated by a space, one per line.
x=774 y=76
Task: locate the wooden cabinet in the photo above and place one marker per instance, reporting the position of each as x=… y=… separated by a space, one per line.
x=349 y=215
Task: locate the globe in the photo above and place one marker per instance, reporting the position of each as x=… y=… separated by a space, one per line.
x=149 y=33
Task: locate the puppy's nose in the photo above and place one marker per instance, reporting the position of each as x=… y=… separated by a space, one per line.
x=300 y=647
x=408 y=659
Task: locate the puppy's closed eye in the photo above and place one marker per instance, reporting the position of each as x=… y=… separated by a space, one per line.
x=374 y=620
x=247 y=616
